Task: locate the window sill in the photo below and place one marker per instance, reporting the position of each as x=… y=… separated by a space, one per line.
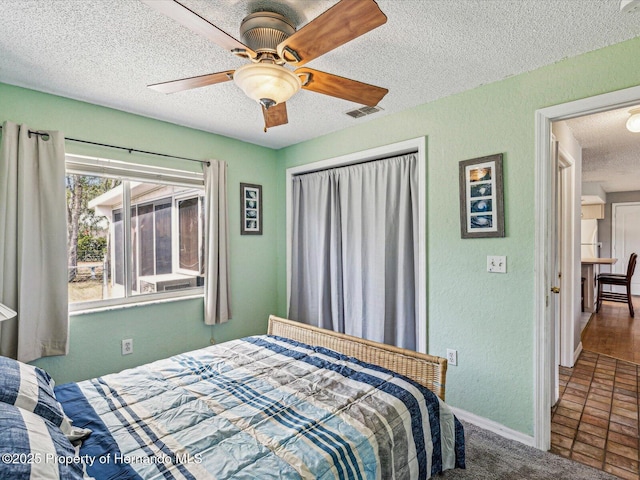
x=134 y=302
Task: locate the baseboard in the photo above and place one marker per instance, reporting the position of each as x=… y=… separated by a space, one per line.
x=577 y=353
x=494 y=427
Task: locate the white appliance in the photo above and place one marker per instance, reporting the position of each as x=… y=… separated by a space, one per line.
x=589 y=246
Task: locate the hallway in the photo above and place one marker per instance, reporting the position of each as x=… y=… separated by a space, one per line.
x=596 y=419
x=613 y=332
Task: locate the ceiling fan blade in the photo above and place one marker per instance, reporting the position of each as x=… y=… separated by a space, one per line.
x=192 y=82
x=199 y=25
x=274 y=116
x=340 y=87
x=340 y=24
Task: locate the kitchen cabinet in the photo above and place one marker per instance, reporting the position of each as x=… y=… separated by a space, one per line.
x=595 y=210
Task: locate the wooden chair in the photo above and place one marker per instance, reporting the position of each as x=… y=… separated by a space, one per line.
x=617 y=279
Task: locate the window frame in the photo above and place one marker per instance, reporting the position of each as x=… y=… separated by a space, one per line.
x=132 y=172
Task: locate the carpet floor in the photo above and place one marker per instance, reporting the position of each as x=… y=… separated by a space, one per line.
x=492 y=457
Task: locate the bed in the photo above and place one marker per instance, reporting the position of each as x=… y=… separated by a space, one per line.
x=299 y=402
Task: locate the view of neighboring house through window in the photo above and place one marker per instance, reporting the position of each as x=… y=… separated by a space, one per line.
x=129 y=236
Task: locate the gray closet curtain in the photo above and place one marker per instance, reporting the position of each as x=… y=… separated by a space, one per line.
x=355 y=250
x=33 y=243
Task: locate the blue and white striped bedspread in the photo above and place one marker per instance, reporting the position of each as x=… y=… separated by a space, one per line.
x=262 y=407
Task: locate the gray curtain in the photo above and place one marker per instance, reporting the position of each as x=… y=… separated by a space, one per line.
x=217 y=293
x=33 y=243
x=355 y=250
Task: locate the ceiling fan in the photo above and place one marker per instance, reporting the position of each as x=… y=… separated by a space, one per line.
x=271 y=41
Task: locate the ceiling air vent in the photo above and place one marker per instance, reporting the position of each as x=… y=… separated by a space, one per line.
x=363 y=111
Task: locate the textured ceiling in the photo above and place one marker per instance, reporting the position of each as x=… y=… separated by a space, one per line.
x=107 y=51
x=610 y=152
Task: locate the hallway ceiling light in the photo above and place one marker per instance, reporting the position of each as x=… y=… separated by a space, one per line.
x=633 y=123
x=629 y=6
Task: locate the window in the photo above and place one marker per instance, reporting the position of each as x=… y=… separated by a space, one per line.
x=133 y=231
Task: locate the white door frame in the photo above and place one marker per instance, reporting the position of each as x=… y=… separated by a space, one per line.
x=543 y=336
x=554 y=301
x=568 y=254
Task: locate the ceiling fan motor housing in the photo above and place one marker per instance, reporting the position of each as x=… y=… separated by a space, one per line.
x=263 y=31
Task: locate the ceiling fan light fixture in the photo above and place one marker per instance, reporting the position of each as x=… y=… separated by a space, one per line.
x=266 y=83
x=633 y=122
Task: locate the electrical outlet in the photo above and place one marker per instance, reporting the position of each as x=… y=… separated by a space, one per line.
x=127 y=346
x=496 y=264
x=452 y=356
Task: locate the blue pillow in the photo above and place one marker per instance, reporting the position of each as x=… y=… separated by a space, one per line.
x=32 y=447
x=29 y=388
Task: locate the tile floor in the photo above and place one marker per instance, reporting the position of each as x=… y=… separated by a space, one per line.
x=596 y=420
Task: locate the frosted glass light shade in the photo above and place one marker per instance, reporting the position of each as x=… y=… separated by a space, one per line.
x=633 y=123
x=266 y=81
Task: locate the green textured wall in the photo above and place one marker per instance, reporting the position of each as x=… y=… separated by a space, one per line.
x=488 y=318
x=160 y=330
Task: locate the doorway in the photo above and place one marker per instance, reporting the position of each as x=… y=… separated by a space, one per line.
x=546 y=242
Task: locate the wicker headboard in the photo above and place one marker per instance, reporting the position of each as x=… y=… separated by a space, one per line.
x=427 y=370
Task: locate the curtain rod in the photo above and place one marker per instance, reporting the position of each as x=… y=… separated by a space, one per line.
x=130 y=150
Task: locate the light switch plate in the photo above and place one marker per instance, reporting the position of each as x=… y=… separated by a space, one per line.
x=496 y=264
